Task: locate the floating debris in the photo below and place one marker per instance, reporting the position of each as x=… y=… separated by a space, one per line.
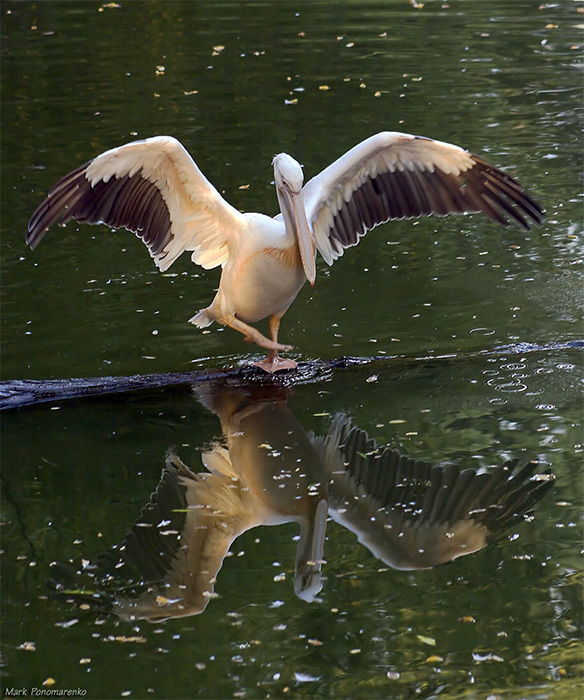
x=434 y=659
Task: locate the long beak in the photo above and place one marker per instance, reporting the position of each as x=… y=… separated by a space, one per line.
x=309 y=554
x=304 y=235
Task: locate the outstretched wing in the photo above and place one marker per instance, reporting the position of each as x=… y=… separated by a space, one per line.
x=394 y=176
x=153 y=188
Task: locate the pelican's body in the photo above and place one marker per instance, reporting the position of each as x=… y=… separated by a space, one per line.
x=263 y=276
x=154 y=188
x=260 y=279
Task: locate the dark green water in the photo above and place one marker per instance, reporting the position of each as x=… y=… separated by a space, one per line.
x=237 y=83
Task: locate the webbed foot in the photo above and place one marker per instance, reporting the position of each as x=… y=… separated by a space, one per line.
x=274 y=363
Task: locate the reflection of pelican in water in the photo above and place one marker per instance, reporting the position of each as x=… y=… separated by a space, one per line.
x=276 y=460
x=413 y=515
x=268 y=473
x=154 y=188
x=407 y=513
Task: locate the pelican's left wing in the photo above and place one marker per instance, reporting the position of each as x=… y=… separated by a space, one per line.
x=394 y=176
x=153 y=188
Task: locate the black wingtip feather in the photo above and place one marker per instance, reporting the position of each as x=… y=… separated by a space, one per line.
x=132 y=202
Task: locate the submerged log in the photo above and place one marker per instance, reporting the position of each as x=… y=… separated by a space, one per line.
x=18 y=393
x=25 y=392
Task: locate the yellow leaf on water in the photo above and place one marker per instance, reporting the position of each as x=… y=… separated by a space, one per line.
x=124 y=639
x=426 y=640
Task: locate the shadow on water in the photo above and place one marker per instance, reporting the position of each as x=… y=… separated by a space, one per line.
x=269 y=470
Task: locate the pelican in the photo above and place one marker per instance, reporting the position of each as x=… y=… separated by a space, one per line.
x=154 y=188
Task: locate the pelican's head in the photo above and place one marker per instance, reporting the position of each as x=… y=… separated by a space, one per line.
x=288 y=177
x=288 y=172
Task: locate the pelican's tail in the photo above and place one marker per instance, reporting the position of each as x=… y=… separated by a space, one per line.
x=202 y=319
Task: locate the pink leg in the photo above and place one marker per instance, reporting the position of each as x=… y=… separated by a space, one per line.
x=252 y=335
x=273 y=363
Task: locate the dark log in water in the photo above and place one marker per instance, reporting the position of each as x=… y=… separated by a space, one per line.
x=25 y=392
x=18 y=393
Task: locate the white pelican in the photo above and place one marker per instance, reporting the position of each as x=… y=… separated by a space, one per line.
x=413 y=515
x=154 y=188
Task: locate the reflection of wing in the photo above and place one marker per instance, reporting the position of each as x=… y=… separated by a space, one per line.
x=413 y=515
x=269 y=474
x=182 y=537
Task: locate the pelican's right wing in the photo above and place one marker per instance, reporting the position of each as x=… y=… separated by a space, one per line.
x=394 y=176
x=153 y=188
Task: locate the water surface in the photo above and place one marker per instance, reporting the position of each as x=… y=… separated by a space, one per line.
x=237 y=83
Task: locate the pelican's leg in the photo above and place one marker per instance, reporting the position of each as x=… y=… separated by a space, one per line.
x=252 y=335
x=273 y=362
